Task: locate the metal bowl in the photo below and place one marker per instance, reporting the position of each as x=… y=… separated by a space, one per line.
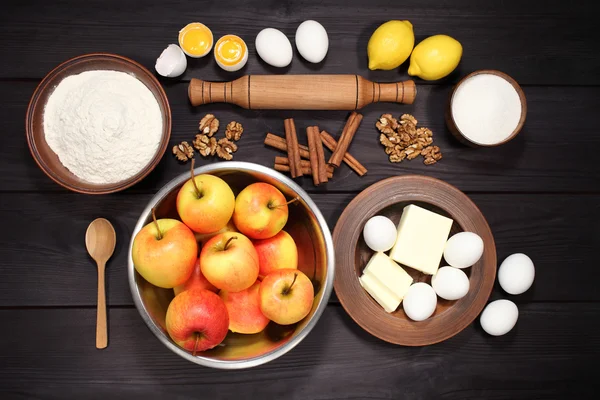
x=315 y=258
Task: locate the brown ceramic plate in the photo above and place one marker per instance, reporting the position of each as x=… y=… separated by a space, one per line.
x=389 y=197
x=34 y=125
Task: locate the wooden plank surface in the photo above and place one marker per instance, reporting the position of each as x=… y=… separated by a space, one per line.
x=540 y=194
x=513 y=36
x=336 y=360
x=47 y=244
x=552 y=153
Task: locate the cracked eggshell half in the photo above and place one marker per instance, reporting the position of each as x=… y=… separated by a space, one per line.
x=231 y=53
x=171 y=62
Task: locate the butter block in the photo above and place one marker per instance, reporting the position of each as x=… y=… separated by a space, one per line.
x=382 y=295
x=393 y=276
x=422 y=235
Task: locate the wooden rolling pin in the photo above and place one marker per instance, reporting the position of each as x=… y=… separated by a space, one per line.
x=301 y=92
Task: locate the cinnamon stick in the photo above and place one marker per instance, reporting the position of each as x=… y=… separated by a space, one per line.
x=314 y=155
x=352 y=162
x=280 y=143
x=305 y=169
x=320 y=154
x=305 y=164
x=345 y=139
x=293 y=150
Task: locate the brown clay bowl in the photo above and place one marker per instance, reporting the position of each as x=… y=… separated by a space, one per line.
x=48 y=161
x=451 y=124
x=389 y=197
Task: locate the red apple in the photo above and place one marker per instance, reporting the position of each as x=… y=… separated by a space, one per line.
x=244 y=310
x=286 y=296
x=276 y=252
x=197 y=320
x=164 y=252
x=205 y=203
x=196 y=280
x=261 y=211
x=229 y=261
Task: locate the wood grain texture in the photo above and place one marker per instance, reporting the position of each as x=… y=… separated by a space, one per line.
x=513 y=36
x=301 y=92
x=337 y=360
x=100 y=241
x=551 y=153
x=44 y=261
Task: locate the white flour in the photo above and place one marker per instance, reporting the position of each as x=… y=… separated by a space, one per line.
x=104 y=126
x=486 y=108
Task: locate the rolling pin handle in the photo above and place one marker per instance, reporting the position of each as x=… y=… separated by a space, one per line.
x=398 y=92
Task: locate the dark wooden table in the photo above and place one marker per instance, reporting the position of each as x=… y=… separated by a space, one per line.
x=540 y=194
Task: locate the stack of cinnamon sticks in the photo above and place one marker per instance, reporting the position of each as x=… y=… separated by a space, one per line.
x=310 y=160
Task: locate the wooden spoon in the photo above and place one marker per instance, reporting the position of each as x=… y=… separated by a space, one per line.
x=100 y=240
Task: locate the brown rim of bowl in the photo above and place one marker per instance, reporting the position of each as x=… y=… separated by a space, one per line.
x=450 y=118
x=118 y=186
x=346 y=280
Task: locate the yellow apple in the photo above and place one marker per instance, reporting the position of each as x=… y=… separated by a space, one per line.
x=261 y=211
x=286 y=296
x=205 y=203
x=164 y=252
x=229 y=261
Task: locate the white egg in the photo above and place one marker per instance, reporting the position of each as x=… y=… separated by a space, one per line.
x=380 y=233
x=312 y=41
x=171 y=62
x=499 y=317
x=516 y=273
x=274 y=47
x=463 y=249
x=450 y=283
x=419 y=302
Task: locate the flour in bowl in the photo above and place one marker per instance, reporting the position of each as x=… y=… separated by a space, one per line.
x=104 y=126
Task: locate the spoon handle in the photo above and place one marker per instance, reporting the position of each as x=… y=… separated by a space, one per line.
x=101 y=336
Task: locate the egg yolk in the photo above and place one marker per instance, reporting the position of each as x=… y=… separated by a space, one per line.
x=230 y=50
x=195 y=39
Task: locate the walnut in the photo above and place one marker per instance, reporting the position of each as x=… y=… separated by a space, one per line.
x=424 y=132
x=183 y=151
x=226 y=148
x=206 y=146
x=387 y=124
x=385 y=141
x=209 y=125
x=213 y=146
x=234 y=131
x=397 y=157
x=432 y=155
x=402 y=139
x=405 y=118
x=411 y=153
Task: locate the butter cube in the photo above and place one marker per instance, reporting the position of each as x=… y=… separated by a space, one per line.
x=396 y=279
x=422 y=235
x=382 y=295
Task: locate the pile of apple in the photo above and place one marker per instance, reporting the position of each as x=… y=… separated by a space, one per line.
x=243 y=273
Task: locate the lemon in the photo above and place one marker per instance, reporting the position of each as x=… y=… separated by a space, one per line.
x=390 y=45
x=435 y=57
